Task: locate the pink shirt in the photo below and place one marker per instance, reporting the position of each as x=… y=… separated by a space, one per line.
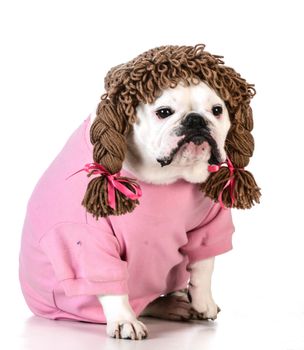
x=67 y=257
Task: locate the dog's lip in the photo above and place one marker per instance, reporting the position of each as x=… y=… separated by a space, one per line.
x=197 y=138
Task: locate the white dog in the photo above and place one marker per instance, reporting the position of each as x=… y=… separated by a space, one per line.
x=168 y=132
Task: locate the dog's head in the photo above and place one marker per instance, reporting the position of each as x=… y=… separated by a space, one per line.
x=175 y=109
x=183 y=130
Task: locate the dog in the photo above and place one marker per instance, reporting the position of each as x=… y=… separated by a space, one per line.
x=144 y=239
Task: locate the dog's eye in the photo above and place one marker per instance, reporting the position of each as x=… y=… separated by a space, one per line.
x=164 y=112
x=217 y=110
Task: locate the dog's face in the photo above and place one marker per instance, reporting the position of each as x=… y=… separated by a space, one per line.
x=179 y=134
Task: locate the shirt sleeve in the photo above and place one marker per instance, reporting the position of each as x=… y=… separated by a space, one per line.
x=213 y=236
x=85 y=260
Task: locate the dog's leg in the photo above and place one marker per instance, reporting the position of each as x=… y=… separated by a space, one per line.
x=121 y=319
x=200 y=289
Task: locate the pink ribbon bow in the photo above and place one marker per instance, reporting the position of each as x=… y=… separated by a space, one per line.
x=114 y=181
x=231 y=181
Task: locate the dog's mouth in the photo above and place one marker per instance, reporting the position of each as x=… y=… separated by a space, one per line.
x=197 y=138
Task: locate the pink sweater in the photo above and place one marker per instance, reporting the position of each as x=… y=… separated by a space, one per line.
x=67 y=257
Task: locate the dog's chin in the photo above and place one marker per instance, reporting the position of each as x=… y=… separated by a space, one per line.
x=191 y=150
x=191 y=153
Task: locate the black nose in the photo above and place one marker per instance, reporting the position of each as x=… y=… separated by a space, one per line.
x=194 y=121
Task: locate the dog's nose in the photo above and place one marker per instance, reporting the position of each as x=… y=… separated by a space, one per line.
x=194 y=121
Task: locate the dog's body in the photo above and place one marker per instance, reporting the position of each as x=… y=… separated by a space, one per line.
x=158 y=260
x=171 y=192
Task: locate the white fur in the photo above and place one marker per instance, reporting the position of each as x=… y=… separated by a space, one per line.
x=150 y=139
x=200 y=288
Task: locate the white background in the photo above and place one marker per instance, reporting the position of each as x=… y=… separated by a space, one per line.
x=54 y=55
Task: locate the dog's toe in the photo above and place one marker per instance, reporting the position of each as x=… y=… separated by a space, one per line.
x=127 y=331
x=209 y=314
x=141 y=331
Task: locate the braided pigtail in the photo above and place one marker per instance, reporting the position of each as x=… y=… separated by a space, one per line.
x=108 y=136
x=239 y=148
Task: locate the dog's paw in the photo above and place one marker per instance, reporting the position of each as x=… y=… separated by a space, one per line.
x=205 y=309
x=134 y=330
x=170 y=307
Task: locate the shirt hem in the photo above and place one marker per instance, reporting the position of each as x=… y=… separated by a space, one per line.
x=206 y=252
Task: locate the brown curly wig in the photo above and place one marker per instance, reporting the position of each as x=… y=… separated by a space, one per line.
x=142 y=80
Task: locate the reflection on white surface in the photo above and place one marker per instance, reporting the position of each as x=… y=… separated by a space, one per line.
x=230 y=331
x=47 y=334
